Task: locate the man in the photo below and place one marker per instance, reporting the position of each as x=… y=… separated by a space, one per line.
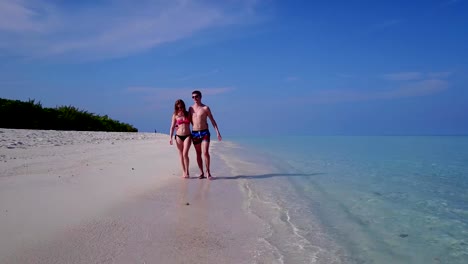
x=199 y=114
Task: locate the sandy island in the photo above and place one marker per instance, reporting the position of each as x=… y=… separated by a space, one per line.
x=97 y=197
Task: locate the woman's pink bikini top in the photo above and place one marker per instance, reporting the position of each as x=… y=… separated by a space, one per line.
x=182 y=121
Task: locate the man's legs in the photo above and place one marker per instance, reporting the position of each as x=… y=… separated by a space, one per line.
x=198 y=150
x=205 y=146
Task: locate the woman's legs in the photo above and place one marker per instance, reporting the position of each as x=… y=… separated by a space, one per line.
x=180 y=147
x=185 y=154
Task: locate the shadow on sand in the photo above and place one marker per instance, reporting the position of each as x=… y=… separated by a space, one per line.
x=264 y=176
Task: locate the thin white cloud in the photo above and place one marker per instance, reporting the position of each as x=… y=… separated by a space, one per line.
x=389 y=23
x=16 y=17
x=421 y=88
x=414 y=76
x=386 y=24
x=345 y=75
x=215 y=91
x=412 y=89
x=156 y=97
x=403 y=76
x=33 y=28
x=292 y=78
x=439 y=75
x=198 y=75
x=451 y=2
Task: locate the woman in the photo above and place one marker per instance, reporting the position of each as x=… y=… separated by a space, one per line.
x=181 y=120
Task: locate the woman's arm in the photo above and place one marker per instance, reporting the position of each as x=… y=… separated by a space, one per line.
x=171 y=131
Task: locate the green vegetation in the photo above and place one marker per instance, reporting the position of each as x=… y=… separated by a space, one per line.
x=31 y=115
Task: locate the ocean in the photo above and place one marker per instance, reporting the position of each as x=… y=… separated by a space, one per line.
x=354 y=199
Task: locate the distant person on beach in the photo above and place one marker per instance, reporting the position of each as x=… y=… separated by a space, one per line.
x=199 y=114
x=181 y=123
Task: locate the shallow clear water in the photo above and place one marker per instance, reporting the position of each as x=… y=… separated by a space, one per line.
x=358 y=199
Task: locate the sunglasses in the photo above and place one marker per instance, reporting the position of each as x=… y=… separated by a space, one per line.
x=195 y=96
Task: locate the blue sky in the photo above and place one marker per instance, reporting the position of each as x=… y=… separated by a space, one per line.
x=264 y=67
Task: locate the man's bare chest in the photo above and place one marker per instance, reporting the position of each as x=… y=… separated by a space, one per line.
x=199 y=112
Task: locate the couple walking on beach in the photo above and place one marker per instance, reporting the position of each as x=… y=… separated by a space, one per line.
x=197 y=115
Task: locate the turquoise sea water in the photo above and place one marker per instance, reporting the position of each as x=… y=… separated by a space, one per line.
x=356 y=199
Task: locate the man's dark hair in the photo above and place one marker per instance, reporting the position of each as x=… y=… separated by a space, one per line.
x=197 y=93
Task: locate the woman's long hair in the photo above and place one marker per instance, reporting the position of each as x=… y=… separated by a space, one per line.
x=180 y=103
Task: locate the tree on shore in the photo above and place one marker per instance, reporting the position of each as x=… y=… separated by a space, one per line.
x=31 y=115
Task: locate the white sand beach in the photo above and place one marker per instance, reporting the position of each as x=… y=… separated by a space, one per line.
x=97 y=197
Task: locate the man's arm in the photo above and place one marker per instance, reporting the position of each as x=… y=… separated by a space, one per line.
x=190 y=114
x=213 y=122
